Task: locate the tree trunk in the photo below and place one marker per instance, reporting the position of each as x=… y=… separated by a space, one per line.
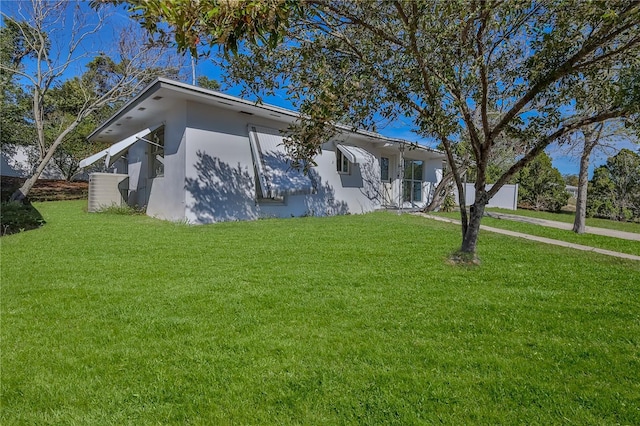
x=591 y=140
x=470 y=240
x=581 y=200
x=440 y=193
x=22 y=193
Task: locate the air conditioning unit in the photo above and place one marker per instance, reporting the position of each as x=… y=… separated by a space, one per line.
x=107 y=189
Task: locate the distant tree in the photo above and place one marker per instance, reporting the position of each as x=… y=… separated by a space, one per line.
x=599 y=136
x=208 y=83
x=439 y=63
x=614 y=191
x=570 y=179
x=42 y=63
x=541 y=186
x=14 y=102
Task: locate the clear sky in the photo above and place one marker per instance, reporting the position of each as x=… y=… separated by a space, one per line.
x=565 y=161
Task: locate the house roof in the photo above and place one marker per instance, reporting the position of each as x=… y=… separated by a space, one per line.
x=144 y=109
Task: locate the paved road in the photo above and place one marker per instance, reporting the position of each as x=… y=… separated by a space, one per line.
x=568 y=226
x=540 y=239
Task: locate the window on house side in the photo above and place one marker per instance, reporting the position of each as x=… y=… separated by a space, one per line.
x=384 y=169
x=156 y=152
x=412 y=183
x=342 y=162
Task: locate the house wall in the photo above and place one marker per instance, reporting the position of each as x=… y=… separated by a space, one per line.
x=163 y=196
x=220 y=179
x=356 y=192
x=209 y=174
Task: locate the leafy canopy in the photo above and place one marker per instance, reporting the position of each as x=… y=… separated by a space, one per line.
x=614 y=190
x=541 y=185
x=456 y=70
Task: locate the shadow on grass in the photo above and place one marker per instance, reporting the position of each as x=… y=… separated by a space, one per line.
x=18 y=217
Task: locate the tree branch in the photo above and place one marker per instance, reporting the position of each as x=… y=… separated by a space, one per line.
x=546 y=141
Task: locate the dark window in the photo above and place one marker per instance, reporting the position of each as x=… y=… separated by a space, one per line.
x=384 y=169
x=156 y=152
x=342 y=162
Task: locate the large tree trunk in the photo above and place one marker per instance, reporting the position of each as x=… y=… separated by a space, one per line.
x=470 y=240
x=440 y=193
x=591 y=137
x=22 y=193
x=581 y=200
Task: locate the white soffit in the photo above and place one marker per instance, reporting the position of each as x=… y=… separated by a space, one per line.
x=276 y=175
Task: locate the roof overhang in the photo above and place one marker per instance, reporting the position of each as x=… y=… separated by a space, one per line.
x=157 y=99
x=115 y=151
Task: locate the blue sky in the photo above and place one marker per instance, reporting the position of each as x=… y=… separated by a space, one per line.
x=565 y=162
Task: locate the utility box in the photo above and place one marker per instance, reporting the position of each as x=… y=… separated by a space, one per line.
x=107 y=189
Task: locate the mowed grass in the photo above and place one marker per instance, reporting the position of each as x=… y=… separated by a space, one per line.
x=117 y=320
x=568 y=217
x=591 y=240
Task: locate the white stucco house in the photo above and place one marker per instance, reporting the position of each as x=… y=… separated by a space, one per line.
x=196 y=155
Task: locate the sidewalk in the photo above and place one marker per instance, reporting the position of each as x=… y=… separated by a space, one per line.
x=567 y=226
x=542 y=239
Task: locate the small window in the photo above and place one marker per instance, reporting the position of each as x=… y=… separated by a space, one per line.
x=342 y=162
x=156 y=152
x=384 y=169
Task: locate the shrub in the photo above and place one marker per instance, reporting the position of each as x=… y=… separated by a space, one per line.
x=541 y=185
x=122 y=210
x=614 y=190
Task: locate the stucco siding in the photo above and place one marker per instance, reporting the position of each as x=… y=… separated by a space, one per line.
x=219 y=179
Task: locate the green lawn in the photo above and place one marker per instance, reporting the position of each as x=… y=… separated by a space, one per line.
x=592 y=240
x=111 y=319
x=568 y=217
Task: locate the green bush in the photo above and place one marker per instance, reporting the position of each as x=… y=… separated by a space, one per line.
x=17 y=217
x=541 y=186
x=614 y=190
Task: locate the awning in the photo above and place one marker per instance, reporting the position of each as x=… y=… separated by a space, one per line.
x=115 y=151
x=356 y=154
x=118 y=149
x=276 y=175
x=92 y=159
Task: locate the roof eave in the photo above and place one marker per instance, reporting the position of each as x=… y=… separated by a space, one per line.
x=237 y=104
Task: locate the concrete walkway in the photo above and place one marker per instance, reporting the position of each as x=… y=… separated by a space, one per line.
x=567 y=226
x=540 y=239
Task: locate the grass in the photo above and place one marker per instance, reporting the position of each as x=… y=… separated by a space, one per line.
x=18 y=217
x=568 y=217
x=599 y=241
x=112 y=319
